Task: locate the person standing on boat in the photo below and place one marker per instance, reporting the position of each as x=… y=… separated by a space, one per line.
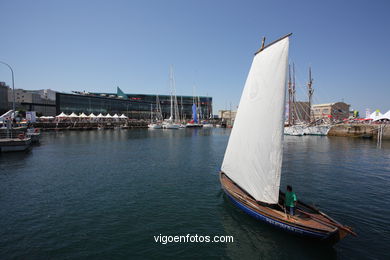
x=290 y=201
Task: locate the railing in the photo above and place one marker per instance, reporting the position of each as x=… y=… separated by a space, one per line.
x=15 y=133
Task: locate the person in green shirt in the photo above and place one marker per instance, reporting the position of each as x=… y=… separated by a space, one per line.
x=290 y=200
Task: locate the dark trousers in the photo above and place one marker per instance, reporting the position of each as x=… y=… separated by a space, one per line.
x=290 y=210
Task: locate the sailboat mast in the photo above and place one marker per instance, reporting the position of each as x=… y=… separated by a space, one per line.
x=310 y=93
x=293 y=96
x=151 y=113
x=199 y=110
x=176 y=108
x=181 y=107
x=289 y=95
x=170 y=83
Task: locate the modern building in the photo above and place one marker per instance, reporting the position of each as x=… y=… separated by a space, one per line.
x=4 y=107
x=135 y=106
x=34 y=100
x=335 y=111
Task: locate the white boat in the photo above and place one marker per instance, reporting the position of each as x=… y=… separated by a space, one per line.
x=15 y=144
x=208 y=125
x=154 y=126
x=316 y=130
x=10 y=140
x=302 y=126
x=169 y=124
x=295 y=130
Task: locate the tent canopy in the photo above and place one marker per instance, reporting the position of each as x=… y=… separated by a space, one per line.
x=73 y=115
x=62 y=115
x=384 y=116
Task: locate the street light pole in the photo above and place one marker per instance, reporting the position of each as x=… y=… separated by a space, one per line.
x=13 y=87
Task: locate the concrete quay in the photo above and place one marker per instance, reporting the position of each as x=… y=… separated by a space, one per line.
x=360 y=130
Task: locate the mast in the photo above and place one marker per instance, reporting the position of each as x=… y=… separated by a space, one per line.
x=171 y=83
x=293 y=96
x=151 y=113
x=310 y=91
x=181 y=108
x=289 y=95
x=199 y=110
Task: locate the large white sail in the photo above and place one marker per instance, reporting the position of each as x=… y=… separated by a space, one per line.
x=253 y=157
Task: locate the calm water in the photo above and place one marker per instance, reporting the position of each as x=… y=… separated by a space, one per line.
x=105 y=194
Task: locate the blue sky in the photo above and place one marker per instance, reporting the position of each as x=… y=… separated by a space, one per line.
x=98 y=45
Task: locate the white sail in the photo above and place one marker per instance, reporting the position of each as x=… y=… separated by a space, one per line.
x=253 y=157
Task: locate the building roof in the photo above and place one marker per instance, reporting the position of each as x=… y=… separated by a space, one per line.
x=328 y=104
x=324 y=105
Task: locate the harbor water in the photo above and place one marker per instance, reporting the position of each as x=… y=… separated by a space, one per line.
x=106 y=194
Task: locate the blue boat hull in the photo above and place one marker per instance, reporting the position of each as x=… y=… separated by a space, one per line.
x=322 y=236
x=308 y=223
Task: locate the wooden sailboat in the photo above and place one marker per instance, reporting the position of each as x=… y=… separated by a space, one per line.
x=251 y=169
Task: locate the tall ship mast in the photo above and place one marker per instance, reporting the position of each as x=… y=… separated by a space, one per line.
x=310 y=92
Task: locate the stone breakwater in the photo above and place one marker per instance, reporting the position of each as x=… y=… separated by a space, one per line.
x=360 y=130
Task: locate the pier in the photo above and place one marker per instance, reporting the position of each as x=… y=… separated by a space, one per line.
x=360 y=130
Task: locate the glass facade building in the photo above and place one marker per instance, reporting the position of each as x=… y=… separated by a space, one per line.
x=134 y=106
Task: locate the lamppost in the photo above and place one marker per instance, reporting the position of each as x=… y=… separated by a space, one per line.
x=13 y=85
x=13 y=92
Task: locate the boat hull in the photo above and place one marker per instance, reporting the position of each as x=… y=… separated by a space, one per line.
x=193 y=125
x=330 y=237
x=295 y=130
x=321 y=130
x=171 y=126
x=154 y=126
x=14 y=144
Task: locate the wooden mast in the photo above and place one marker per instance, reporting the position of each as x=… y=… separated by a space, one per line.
x=293 y=96
x=310 y=93
x=289 y=95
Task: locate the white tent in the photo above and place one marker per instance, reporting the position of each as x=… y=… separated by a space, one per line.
x=123 y=116
x=108 y=116
x=73 y=115
x=100 y=115
x=375 y=115
x=115 y=116
x=384 y=116
x=82 y=115
x=92 y=115
x=62 y=115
